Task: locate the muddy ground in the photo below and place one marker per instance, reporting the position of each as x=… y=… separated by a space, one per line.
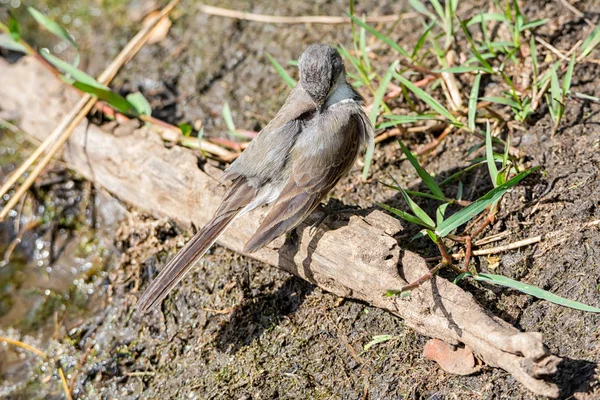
x=236 y=328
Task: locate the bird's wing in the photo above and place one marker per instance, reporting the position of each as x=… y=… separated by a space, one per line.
x=276 y=138
x=314 y=173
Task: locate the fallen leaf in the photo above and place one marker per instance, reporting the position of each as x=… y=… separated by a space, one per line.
x=459 y=361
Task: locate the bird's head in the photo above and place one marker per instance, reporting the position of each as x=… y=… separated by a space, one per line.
x=320 y=67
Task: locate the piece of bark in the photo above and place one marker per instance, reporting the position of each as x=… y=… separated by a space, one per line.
x=354 y=256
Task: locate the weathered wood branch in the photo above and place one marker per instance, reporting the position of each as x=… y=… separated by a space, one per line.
x=354 y=257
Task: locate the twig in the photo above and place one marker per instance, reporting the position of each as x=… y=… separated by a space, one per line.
x=551 y=48
x=64 y=384
x=576 y=12
x=66 y=127
x=492 y=238
x=510 y=246
x=13 y=245
x=24 y=346
x=316 y=19
x=421 y=280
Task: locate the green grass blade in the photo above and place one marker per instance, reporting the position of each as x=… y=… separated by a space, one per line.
x=489 y=154
x=534 y=24
x=362 y=41
x=485 y=17
x=464 y=215
x=568 y=77
x=424 y=96
x=420 y=8
x=421 y=40
x=291 y=82
x=424 y=175
x=14 y=27
x=476 y=53
x=113 y=99
x=228 y=118
x=390 y=42
x=473 y=98
x=590 y=42
x=7 y=42
x=555 y=94
x=405 y=216
x=70 y=70
x=438 y=9
x=377 y=339
x=439 y=214
x=55 y=29
x=139 y=102
x=380 y=93
x=535 y=292
x=416 y=209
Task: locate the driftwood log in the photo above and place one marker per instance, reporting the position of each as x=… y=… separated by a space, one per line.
x=355 y=257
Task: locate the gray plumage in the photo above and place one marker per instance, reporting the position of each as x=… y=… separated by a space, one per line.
x=292 y=164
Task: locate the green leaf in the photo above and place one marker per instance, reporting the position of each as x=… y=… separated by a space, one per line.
x=590 y=42
x=458 y=174
x=390 y=42
x=405 y=216
x=568 y=77
x=424 y=175
x=381 y=90
x=439 y=213
x=418 y=211
x=376 y=340
x=186 y=129
x=534 y=291
x=139 y=102
x=489 y=153
x=488 y=68
x=424 y=96
x=464 y=215
x=72 y=72
x=420 y=8
x=485 y=17
x=113 y=99
x=14 y=27
x=473 y=98
x=9 y=43
x=54 y=28
x=533 y=24
x=422 y=39
x=291 y=82
x=555 y=94
x=228 y=118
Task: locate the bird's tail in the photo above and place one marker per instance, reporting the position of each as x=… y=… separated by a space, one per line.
x=184 y=261
x=237 y=200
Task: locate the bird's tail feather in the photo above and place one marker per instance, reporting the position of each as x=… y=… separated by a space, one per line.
x=180 y=265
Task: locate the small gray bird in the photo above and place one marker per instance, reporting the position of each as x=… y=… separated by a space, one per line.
x=293 y=163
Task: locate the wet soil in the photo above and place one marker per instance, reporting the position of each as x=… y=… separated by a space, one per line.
x=238 y=329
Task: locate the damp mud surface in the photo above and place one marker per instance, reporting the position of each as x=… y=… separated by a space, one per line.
x=236 y=328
